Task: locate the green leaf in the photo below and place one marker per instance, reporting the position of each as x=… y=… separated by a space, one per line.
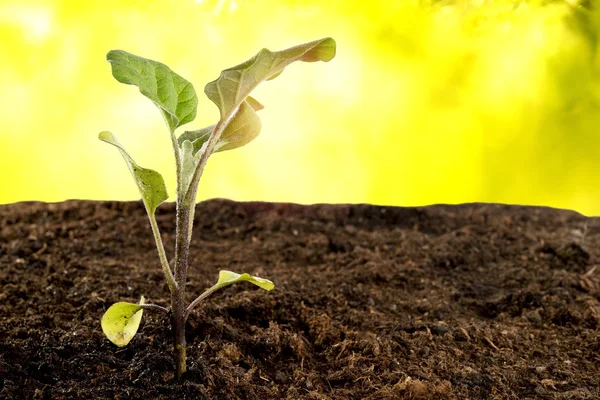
x=149 y=182
x=227 y=278
x=235 y=84
x=121 y=321
x=189 y=161
x=243 y=128
x=174 y=95
x=255 y=104
x=197 y=137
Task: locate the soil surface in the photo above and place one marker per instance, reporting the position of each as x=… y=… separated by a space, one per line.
x=472 y=301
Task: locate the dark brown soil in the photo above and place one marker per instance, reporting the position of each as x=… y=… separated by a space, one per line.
x=444 y=302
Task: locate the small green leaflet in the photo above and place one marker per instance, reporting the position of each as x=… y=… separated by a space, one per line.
x=197 y=138
x=174 y=95
x=189 y=160
x=235 y=84
x=227 y=278
x=121 y=321
x=243 y=128
x=149 y=182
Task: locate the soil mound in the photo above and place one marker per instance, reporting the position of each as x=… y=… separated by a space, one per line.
x=473 y=301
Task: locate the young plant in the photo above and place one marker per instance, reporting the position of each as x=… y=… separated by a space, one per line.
x=238 y=125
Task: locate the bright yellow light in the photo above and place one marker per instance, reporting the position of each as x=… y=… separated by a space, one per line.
x=34 y=22
x=218 y=6
x=426 y=102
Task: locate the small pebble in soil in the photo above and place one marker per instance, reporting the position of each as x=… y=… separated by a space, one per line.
x=440 y=329
x=424 y=351
x=534 y=317
x=308 y=384
x=280 y=377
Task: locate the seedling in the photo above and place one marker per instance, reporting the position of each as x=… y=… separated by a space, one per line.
x=238 y=125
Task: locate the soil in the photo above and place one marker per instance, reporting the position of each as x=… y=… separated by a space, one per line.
x=474 y=301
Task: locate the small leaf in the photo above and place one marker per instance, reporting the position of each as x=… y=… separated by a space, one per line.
x=235 y=84
x=149 y=182
x=197 y=137
x=255 y=104
x=243 y=128
x=189 y=161
x=174 y=95
x=228 y=278
x=121 y=321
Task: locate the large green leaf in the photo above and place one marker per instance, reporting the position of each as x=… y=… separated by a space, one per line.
x=243 y=128
x=149 y=182
x=121 y=321
x=174 y=95
x=235 y=84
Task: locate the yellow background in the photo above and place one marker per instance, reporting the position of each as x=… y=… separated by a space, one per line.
x=443 y=102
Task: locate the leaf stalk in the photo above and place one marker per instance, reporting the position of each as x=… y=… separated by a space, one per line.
x=198 y=299
x=161 y=253
x=154 y=307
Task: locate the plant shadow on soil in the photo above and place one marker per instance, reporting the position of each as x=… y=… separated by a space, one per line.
x=473 y=301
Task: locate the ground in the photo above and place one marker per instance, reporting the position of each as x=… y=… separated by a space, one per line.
x=443 y=302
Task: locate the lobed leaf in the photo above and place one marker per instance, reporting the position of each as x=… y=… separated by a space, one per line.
x=174 y=96
x=121 y=322
x=228 y=277
x=149 y=182
x=235 y=84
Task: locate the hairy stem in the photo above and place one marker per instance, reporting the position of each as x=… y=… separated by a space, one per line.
x=177 y=154
x=178 y=327
x=185 y=217
x=182 y=248
x=191 y=223
x=182 y=245
x=161 y=253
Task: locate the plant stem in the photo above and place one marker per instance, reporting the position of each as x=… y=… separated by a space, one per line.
x=161 y=253
x=177 y=154
x=154 y=307
x=186 y=206
x=182 y=247
x=182 y=244
x=178 y=326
